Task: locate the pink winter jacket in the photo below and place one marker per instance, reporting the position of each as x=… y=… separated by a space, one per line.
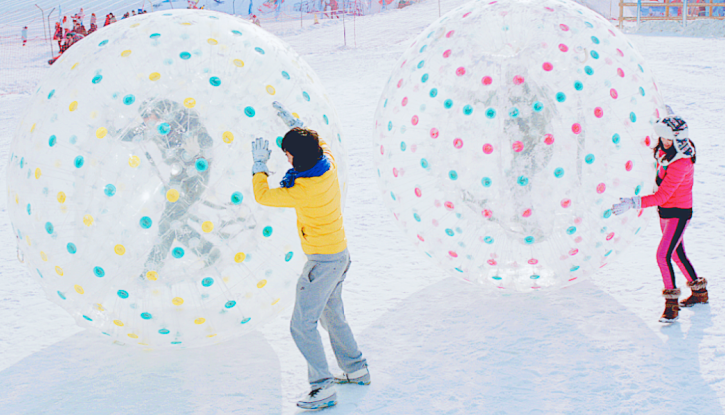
x=676 y=188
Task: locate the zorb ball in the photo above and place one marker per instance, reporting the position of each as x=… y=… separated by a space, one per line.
x=130 y=178
x=506 y=132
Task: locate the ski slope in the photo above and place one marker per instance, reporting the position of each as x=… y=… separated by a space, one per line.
x=434 y=344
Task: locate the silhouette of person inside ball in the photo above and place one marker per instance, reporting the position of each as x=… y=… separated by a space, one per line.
x=182 y=160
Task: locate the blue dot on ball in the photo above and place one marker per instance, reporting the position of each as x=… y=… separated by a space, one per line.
x=49 y=227
x=288 y=256
x=146 y=316
x=201 y=164
x=249 y=112
x=177 y=252
x=109 y=190
x=122 y=293
x=285 y=75
x=99 y=272
x=52 y=140
x=246 y=320
x=185 y=55
x=424 y=78
x=230 y=304
x=129 y=99
x=589 y=159
x=164 y=331
x=164 y=128
x=306 y=96
x=145 y=222
x=267 y=231
x=96 y=79
x=215 y=81
x=259 y=50
x=237 y=198
x=207 y=282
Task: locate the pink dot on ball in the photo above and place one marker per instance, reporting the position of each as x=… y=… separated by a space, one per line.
x=548 y=139
x=461 y=71
x=610 y=236
x=421 y=238
x=405 y=101
x=563 y=47
x=395 y=172
x=598 y=112
x=573 y=252
x=466 y=15
x=449 y=34
x=448 y=205
x=564 y=27
x=487 y=148
x=576 y=128
x=548 y=66
x=418 y=192
x=620 y=53
x=403 y=64
x=549 y=9
x=613 y=93
x=628 y=165
x=434 y=132
x=620 y=72
x=436 y=203
x=486 y=80
x=414 y=120
x=382 y=150
x=526 y=213
x=577 y=221
x=400 y=83
x=434 y=222
x=518 y=146
x=457 y=143
x=533 y=261
x=453 y=254
x=601 y=187
x=518 y=80
x=491 y=262
x=487 y=213
x=447 y=53
x=647 y=141
x=610 y=31
x=578 y=239
x=565 y=203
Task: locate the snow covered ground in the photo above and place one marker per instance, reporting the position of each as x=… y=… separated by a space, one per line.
x=434 y=344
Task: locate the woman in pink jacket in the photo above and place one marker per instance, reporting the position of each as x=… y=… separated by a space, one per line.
x=675 y=156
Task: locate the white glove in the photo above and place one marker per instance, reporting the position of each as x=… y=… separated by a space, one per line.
x=260 y=154
x=288 y=119
x=627 y=203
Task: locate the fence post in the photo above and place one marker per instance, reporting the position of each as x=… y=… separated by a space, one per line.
x=639 y=12
x=684 y=13
x=621 y=13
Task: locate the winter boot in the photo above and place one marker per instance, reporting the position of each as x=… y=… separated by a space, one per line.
x=672 y=308
x=359 y=377
x=699 y=293
x=319 y=398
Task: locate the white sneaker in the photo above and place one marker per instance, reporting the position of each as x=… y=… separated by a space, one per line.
x=360 y=377
x=319 y=398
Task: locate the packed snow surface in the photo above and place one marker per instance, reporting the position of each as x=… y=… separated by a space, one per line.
x=434 y=344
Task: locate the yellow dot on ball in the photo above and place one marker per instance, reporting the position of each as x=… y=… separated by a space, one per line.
x=73 y=106
x=59 y=270
x=185 y=24
x=133 y=336
x=61 y=197
x=294 y=114
x=99 y=307
x=239 y=257
x=43 y=256
x=94 y=114
x=172 y=195
x=261 y=283
x=27 y=239
x=177 y=301
x=238 y=62
x=155 y=76
x=119 y=323
x=125 y=53
x=134 y=161
x=75 y=65
x=88 y=220
x=17 y=200
x=207 y=226
x=37 y=173
x=211 y=335
x=78 y=289
x=152 y=275
x=199 y=320
x=32 y=128
x=228 y=137
x=212 y=41
x=101 y=132
x=270 y=90
x=189 y=102
x=119 y=249
x=135 y=25
x=275 y=301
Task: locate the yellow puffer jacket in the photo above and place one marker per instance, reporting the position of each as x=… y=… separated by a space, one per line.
x=317 y=203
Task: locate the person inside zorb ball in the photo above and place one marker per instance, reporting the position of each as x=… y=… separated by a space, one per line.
x=505 y=133
x=129 y=179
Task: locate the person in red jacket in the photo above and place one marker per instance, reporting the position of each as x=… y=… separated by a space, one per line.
x=675 y=156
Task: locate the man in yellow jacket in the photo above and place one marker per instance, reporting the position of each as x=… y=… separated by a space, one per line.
x=311 y=187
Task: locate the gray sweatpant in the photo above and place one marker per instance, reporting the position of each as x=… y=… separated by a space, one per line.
x=319 y=298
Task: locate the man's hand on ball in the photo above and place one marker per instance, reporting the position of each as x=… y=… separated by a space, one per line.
x=627 y=203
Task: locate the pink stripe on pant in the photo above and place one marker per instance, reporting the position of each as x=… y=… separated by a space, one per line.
x=671 y=243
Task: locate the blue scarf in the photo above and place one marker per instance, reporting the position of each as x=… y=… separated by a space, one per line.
x=320 y=168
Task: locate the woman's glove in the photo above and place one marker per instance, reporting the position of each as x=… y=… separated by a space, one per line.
x=627 y=203
x=260 y=154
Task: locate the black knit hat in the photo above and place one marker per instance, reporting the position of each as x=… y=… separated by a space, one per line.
x=304 y=145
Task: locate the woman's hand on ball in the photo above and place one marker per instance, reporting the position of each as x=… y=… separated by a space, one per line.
x=625 y=204
x=260 y=150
